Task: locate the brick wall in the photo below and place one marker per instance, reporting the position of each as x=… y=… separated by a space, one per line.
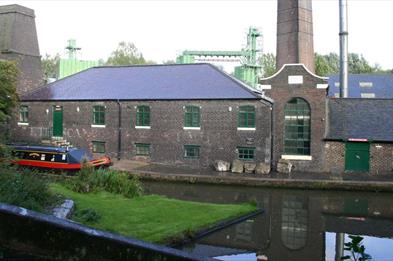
x=381 y=157
x=282 y=92
x=217 y=138
x=334 y=156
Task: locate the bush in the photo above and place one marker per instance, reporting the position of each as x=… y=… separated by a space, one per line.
x=89 y=179
x=87 y=215
x=24 y=188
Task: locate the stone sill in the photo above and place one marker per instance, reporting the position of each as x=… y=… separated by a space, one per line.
x=246 y=129
x=97 y=126
x=296 y=157
x=143 y=127
x=191 y=128
x=23 y=124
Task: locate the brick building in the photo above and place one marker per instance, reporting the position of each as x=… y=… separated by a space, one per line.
x=18 y=42
x=178 y=114
x=299 y=114
x=359 y=136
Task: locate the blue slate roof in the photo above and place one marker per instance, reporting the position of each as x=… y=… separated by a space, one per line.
x=382 y=85
x=370 y=119
x=145 y=82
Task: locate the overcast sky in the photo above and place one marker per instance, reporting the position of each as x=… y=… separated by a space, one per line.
x=163 y=29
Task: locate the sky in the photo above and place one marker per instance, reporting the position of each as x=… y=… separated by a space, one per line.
x=162 y=29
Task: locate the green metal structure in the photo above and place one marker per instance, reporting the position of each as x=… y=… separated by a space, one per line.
x=248 y=72
x=72 y=65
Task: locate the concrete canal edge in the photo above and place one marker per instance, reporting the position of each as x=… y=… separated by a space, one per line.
x=217 y=227
x=310 y=184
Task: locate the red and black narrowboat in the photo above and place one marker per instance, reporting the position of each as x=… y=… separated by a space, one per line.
x=55 y=157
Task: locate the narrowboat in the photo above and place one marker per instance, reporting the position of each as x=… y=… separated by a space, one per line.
x=48 y=157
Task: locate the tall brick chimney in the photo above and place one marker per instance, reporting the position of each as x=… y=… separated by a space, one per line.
x=18 y=42
x=295 y=33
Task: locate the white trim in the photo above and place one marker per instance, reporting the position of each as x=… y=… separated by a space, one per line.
x=322 y=85
x=142 y=127
x=246 y=129
x=23 y=123
x=292 y=64
x=296 y=157
x=265 y=86
x=295 y=79
x=191 y=128
x=97 y=126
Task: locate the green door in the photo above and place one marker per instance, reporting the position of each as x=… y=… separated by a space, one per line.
x=57 y=121
x=357 y=156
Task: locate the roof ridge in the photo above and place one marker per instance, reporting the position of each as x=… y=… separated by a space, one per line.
x=147 y=65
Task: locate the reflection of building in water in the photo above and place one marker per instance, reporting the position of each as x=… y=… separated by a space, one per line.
x=294 y=222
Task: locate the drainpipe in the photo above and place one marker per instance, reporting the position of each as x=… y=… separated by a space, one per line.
x=119 y=131
x=271 y=103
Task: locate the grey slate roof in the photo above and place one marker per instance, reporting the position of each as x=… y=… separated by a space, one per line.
x=145 y=82
x=382 y=85
x=370 y=119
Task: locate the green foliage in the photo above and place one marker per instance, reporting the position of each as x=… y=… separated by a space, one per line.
x=327 y=64
x=330 y=64
x=126 y=54
x=268 y=63
x=89 y=179
x=356 y=249
x=49 y=66
x=8 y=94
x=87 y=215
x=24 y=188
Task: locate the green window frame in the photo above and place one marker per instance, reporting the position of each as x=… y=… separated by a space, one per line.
x=246 y=153
x=192 y=116
x=98 y=146
x=142 y=149
x=246 y=117
x=297 y=128
x=24 y=114
x=191 y=151
x=99 y=115
x=143 y=115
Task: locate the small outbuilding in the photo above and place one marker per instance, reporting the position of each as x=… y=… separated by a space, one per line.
x=360 y=135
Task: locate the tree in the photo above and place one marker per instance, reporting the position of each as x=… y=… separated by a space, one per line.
x=327 y=64
x=126 y=54
x=330 y=64
x=268 y=63
x=8 y=94
x=49 y=66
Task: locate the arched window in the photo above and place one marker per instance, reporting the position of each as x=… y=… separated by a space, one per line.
x=297 y=127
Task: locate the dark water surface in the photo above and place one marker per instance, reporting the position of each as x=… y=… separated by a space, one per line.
x=296 y=224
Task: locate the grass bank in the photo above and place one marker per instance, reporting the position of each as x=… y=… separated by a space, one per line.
x=151 y=218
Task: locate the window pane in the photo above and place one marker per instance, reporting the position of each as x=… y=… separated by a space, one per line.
x=99 y=115
x=23 y=113
x=192 y=116
x=246 y=117
x=98 y=147
x=142 y=149
x=246 y=153
x=143 y=116
x=297 y=127
x=191 y=151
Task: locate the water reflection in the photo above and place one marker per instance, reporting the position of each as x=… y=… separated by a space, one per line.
x=296 y=225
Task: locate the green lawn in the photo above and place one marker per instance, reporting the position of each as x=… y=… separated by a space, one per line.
x=151 y=218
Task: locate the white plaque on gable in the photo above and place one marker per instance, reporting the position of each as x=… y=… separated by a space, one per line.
x=295 y=79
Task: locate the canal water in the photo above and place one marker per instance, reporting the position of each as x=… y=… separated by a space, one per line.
x=295 y=225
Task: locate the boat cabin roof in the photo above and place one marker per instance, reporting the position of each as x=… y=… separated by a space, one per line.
x=42 y=148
